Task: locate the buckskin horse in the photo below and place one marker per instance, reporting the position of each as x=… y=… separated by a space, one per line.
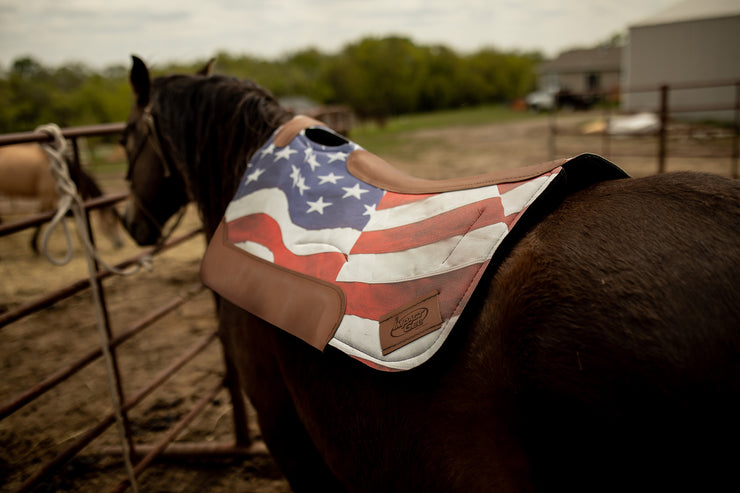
x=599 y=352
x=24 y=169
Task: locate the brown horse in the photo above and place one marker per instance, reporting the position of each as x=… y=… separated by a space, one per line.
x=25 y=173
x=602 y=354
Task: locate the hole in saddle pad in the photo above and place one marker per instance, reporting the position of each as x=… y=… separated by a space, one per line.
x=324 y=137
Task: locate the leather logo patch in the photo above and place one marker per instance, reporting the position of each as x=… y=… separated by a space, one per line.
x=409 y=322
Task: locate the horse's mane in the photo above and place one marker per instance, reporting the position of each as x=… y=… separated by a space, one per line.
x=212 y=126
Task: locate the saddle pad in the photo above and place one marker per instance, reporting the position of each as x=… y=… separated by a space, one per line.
x=380 y=275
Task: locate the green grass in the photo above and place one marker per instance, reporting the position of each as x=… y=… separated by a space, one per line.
x=387 y=139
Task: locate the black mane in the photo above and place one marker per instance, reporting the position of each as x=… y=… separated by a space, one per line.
x=212 y=126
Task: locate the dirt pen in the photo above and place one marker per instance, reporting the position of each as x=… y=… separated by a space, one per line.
x=161 y=327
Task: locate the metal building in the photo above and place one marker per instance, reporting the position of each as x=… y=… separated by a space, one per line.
x=693 y=48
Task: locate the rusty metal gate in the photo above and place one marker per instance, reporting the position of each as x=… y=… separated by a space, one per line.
x=135 y=457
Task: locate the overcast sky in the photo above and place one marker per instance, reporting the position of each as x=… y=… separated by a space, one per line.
x=104 y=32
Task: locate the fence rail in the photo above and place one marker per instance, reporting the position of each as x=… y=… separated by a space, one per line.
x=665 y=110
x=139 y=456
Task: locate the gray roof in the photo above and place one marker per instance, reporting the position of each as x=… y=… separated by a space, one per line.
x=585 y=60
x=691 y=10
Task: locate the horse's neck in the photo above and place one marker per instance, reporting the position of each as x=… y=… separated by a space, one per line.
x=209 y=185
x=213 y=178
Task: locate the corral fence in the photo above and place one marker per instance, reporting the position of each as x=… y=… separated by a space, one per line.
x=136 y=457
x=657 y=100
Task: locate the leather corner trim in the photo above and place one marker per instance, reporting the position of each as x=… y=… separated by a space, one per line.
x=309 y=308
x=293 y=127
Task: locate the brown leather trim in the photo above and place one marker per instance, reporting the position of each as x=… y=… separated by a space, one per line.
x=290 y=129
x=309 y=308
x=374 y=170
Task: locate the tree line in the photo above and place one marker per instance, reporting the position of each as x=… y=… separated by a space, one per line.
x=375 y=77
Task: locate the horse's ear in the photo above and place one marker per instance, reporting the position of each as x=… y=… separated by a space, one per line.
x=140 y=81
x=207 y=69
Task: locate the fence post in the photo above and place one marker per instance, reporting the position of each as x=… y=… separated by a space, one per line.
x=125 y=422
x=606 y=138
x=552 y=135
x=663 y=131
x=736 y=140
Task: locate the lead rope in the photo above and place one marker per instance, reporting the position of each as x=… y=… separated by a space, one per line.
x=71 y=201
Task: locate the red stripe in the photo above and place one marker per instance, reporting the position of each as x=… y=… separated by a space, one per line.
x=372 y=301
x=262 y=229
x=392 y=199
x=456 y=222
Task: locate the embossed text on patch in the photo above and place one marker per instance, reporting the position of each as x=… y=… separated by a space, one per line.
x=409 y=322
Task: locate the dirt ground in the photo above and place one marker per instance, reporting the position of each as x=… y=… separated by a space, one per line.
x=42 y=343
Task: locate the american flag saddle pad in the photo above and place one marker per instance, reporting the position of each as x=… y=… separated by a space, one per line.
x=332 y=244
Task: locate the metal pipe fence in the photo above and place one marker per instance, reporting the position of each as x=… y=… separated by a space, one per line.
x=140 y=456
x=666 y=112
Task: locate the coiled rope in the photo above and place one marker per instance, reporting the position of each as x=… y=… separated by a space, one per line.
x=70 y=201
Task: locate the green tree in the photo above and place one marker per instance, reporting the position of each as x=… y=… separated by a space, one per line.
x=309 y=74
x=440 y=86
x=379 y=77
x=29 y=98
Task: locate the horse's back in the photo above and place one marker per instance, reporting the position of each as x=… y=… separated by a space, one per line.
x=604 y=352
x=24 y=169
x=620 y=327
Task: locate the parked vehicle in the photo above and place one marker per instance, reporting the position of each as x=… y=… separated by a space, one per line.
x=551 y=99
x=541 y=100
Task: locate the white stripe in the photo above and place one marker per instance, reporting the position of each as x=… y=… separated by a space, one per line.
x=427 y=260
x=360 y=333
x=521 y=197
x=426 y=208
x=256 y=249
x=300 y=241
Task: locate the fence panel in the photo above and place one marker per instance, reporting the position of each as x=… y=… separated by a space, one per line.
x=671 y=135
x=75 y=354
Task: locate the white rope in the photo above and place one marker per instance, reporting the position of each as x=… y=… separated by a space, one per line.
x=71 y=201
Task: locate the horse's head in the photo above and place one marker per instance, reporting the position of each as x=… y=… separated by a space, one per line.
x=157 y=186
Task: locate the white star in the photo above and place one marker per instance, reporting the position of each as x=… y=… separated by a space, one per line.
x=268 y=150
x=313 y=162
x=330 y=178
x=301 y=185
x=254 y=176
x=337 y=156
x=285 y=153
x=317 y=206
x=355 y=192
x=308 y=152
x=369 y=210
x=295 y=175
